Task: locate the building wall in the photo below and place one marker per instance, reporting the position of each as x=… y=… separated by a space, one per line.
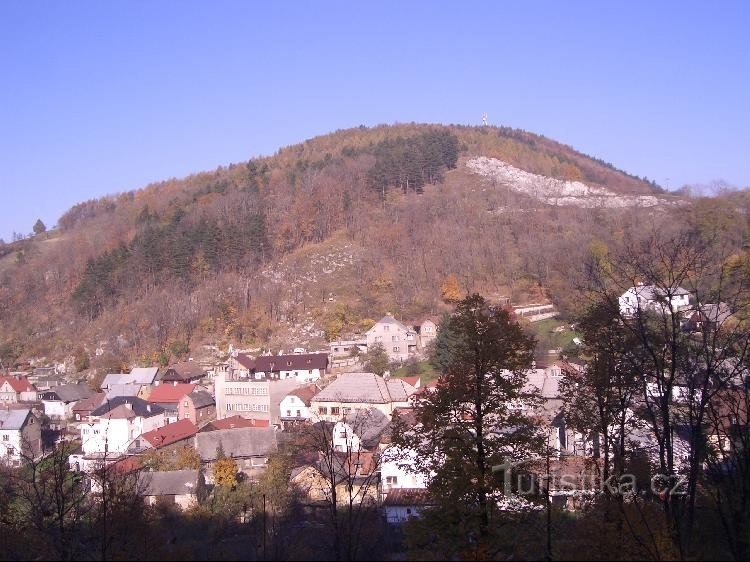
x=395 y=339
x=186 y=410
x=333 y=415
x=396 y=514
x=57 y=409
x=116 y=434
x=254 y=399
x=14 y=443
x=397 y=471
x=293 y=407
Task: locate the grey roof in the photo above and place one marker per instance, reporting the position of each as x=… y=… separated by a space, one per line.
x=115 y=379
x=68 y=393
x=139 y=406
x=123 y=390
x=365 y=387
x=652 y=292
x=144 y=375
x=13 y=419
x=201 y=398
x=242 y=442
x=717 y=313
x=169 y=483
x=389 y=319
x=369 y=424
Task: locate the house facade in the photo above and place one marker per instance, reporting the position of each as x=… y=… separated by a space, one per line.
x=198 y=406
x=360 y=391
x=248 y=446
x=250 y=395
x=58 y=402
x=16 y=389
x=20 y=435
x=652 y=298
x=399 y=341
x=183 y=488
x=295 y=406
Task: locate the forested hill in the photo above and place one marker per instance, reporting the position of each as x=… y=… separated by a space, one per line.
x=316 y=240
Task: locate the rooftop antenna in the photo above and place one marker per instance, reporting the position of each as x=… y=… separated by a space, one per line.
x=484 y=119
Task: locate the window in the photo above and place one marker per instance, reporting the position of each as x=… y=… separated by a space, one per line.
x=395 y=348
x=345 y=411
x=289 y=413
x=185 y=403
x=310 y=372
x=394 y=338
x=335 y=411
x=386 y=328
x=288 y=363
x=393 y=480
x=299 y=414
x=6 y=437
x=187 y=415
x=323 y=410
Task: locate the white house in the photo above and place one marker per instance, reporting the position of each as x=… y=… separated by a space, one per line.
x=305 y=367
x=397 y=470
x=20 y=434
x=402 y=504
x=653 y=298
x=359 y=391
x=359 y=429
x=399 y=341
x=295 y=406
x=16 y=389
x=112 y=427
x=59 y=401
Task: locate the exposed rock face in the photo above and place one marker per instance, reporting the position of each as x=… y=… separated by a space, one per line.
x=554 y=191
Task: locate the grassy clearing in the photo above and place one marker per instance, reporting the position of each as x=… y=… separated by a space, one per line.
x=548 y=338
x=425 y=371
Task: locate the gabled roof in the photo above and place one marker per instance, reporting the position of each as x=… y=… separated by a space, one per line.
x=116 y=378
x=368 y=388
x=169 y=483
x=91 y=403
x=293 y=362
x=18 y=384
x=413 y=381
x=139 y=406
x=144 y=375
x=389 y=319
x=171 y=433
x=15 y=419
x=68 y=393
x=235 y=422
x=124 y=390
x=246 y=361
x=184 y=371
x=170 y=393
x=201 y=399
x=407 y=497
x=237 y=443
x=121 y=412
x=305 y=393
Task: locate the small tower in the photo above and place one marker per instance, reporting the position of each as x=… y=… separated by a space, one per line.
x=485 y=123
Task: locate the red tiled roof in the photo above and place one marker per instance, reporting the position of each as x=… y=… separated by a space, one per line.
x=407 y=497
x=19 y=385
x=305 y=393
x=414 y=381
x=171 y=433
x=91 y=403
x=127 y=465
x=235 y=422
x=170 y=392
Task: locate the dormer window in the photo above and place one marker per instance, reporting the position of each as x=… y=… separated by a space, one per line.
x=288 y=363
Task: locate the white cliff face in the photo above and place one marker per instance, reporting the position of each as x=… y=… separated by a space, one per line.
x=554 y=191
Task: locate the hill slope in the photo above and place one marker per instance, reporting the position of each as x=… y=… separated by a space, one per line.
x=317 y=239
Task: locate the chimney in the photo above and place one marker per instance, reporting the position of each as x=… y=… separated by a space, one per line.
x=148 y=408
x=128 y=405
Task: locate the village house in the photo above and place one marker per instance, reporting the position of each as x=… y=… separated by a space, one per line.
x=183 y=488
x=402 y=504
x=198 y=406
x=167 y=437
x=295 y=407
x=305 y=367
x=248 y=446
x=360 y=429
x=356 y=391
x=20 y=435
x=58 y=402
x=255 y=395
x=643 y=298
x=354 y=476
x=83 y=408
x=16 y=389
x=399 y=341
x=169 y=396
x=708 y=317
x=111 y=428
x=183 y=372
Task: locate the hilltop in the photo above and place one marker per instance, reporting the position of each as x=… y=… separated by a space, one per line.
x=318 y=239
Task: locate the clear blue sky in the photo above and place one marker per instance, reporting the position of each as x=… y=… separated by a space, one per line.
x=101 y=97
